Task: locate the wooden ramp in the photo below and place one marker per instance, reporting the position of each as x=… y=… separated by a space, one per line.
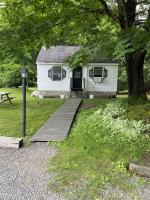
x=58 y=126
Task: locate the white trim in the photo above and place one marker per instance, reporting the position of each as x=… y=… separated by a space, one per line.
x=103 y=64
x=60 y=72
x=112 y=64
x=43 y=63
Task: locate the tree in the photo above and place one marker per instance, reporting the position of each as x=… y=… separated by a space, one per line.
x=114 y=27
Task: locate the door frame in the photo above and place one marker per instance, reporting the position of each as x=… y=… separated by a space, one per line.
x=75 y=85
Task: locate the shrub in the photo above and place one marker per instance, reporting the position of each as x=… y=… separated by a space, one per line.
x=120 y=132
x=10 y=75
x=122 y=79
x=97 y=151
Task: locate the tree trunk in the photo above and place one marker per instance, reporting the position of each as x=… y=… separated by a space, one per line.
x=135 y=68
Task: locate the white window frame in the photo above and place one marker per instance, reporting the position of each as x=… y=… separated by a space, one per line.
x=97 y=79
x=53 y=74
x=102 y=71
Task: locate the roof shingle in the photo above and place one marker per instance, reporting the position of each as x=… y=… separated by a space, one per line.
x=58 y=54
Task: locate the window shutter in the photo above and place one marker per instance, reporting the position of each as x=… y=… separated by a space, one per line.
x=105 y=72
x=63 y=73
x=91 y=73
x=50 y=73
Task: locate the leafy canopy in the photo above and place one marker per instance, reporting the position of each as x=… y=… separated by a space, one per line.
x=98 y=25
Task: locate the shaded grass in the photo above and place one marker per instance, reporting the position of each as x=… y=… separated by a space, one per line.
x=85 y=164
x=140 y=112
x=38 y=111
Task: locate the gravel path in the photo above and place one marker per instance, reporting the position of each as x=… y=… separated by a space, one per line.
x=23 y=173
x=24 y=176
x=140 y=192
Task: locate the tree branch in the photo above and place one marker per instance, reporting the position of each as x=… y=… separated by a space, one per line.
x=147 y=23
x=148 y=18
x=141 y=2
x=130 y=6
x=109 y=11
x=90 y=10
x=122 y=14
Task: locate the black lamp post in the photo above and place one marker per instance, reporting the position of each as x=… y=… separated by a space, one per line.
x=24 y=77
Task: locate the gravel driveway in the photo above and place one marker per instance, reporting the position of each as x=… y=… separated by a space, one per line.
x=24 y=176
x=23 y=173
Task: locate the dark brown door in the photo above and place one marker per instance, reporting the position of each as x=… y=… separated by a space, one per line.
x=77 y=78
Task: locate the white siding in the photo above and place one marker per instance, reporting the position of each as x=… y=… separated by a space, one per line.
x=109 y=84
x=45 y=83
x=85 y=76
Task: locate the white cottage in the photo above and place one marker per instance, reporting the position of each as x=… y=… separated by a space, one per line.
x=55 y=78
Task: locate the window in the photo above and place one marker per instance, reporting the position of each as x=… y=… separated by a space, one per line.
x=77 y=74
x=57 y=73
x=98 y=72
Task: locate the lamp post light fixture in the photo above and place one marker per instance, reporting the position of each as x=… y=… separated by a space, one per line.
x=24 y=74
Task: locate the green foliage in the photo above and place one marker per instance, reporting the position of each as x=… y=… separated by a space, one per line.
x=140 y=111
x=14 y=52
x=27 y=25
x=122 y=133
x=122 y=79
x=147 y=74
x=10 y=74
x=101 y=143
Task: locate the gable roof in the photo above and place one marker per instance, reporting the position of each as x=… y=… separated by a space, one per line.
x=58 y=54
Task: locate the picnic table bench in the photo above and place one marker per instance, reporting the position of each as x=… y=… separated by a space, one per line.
x=4 y=96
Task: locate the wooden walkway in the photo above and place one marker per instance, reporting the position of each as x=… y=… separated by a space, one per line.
x=58 y=126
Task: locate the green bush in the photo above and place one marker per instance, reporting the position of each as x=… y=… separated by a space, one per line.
x=10 y=75
x=101 y=143
x=147 y=75
x=122 y=79
x=122 y=133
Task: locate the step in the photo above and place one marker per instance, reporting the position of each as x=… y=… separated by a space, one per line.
x=10 y=142
x=78 y=95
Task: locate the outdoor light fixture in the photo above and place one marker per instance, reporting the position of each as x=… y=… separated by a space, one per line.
x=24 y=75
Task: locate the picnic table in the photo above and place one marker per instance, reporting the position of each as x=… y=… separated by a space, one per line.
x=4 y=96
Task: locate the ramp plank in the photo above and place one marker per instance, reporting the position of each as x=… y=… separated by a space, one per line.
x=58 y=126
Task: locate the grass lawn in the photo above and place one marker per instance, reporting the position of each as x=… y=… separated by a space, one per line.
x=38 y=111
x=93 y=157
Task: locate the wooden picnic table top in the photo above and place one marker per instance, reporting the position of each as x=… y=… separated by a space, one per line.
x=4 y=96
x=4 y=93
